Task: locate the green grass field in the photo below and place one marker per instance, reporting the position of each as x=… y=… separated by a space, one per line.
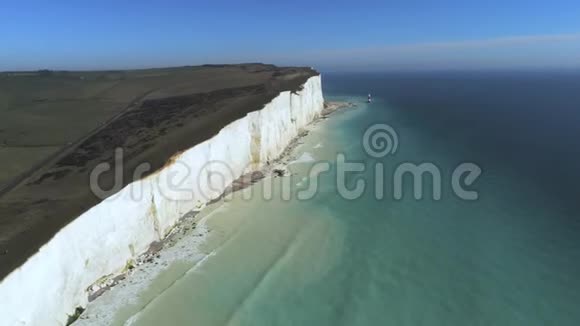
x=16 y=160
x=43 y=111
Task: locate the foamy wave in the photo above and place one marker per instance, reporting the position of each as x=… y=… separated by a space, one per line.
x=304 y=158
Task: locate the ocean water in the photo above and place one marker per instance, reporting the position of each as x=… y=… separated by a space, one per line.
x=511 y=257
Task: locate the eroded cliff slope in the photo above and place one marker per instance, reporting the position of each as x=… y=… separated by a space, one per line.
x=58 y=237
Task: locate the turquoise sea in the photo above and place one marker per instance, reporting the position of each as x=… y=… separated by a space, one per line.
x=511 y=257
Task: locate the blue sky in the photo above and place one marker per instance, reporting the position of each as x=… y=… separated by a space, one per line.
x=330 y=35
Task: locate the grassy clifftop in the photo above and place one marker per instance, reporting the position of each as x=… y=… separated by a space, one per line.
x=55 y=127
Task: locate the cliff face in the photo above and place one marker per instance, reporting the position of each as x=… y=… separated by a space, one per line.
x=51 y=283
x=181 y=107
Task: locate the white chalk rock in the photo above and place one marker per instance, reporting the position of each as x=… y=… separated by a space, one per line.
x=53 y=282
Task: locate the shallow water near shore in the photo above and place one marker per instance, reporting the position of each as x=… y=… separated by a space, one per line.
x=510 y=257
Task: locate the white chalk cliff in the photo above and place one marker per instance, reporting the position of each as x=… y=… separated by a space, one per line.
x=53 y=282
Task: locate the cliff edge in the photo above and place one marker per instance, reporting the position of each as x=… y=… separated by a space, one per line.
x=57 y=236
